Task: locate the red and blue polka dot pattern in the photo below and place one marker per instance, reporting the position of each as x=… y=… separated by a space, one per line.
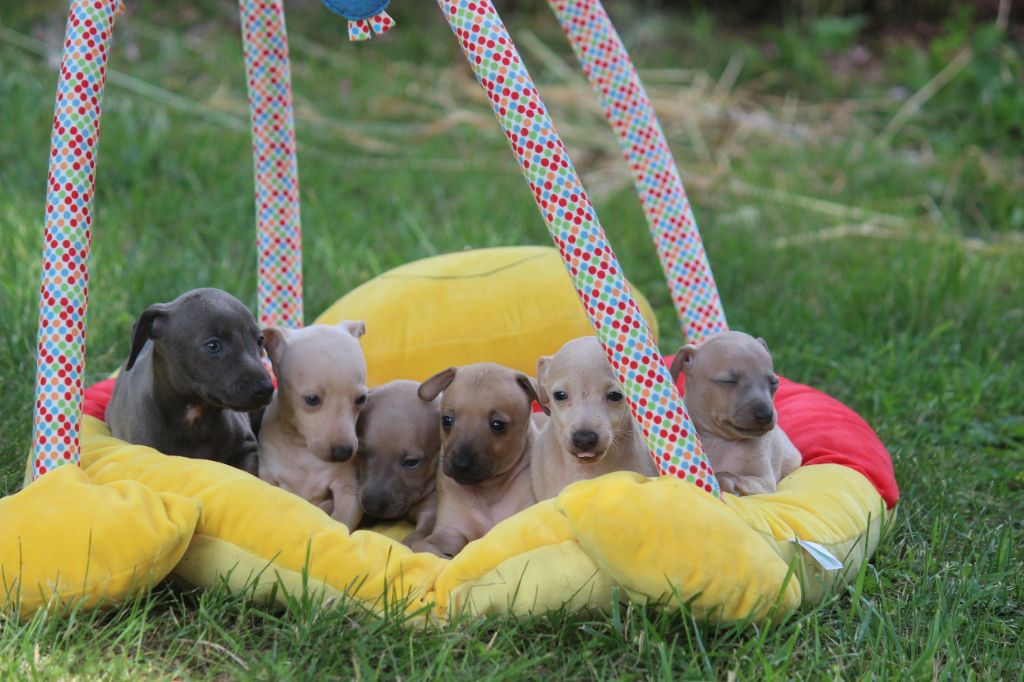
x=592 y=267
x=279 y=232
x=365 y=17
x=631 y=114
x=363 y=29
x=64 y=291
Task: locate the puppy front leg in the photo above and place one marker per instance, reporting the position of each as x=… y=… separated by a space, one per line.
x=745 y=485
x=424 y=525
x=445 y=543
x=346 y=509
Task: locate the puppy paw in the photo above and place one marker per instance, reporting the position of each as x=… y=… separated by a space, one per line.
x=744 y=485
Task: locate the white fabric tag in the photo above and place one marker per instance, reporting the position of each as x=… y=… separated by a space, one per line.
x=820 y=555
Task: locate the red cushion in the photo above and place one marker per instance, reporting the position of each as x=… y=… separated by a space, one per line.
x=824 y=430
x=96 y=398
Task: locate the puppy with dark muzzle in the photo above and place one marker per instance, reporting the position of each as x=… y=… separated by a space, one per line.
x=308 y=435
x=193 y=371
x=591 y=430
x=487 y=435
x=399 y=443
x=730 y=395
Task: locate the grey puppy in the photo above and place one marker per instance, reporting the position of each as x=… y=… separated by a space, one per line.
x=399 y=445
x=194 y=369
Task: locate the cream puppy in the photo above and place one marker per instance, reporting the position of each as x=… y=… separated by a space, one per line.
x=308 y=434
x=487 y=435
x=730 y=393
x=591 y=429
x=399 y=445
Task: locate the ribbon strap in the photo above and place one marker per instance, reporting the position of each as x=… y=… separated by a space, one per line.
x=67 y=237
x=573 y=224
x=278 y=225
x=629 y=111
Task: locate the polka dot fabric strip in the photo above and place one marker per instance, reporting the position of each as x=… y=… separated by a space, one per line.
x=64 y=291
x=631 y=114
x=279 y=231
x=574 y=227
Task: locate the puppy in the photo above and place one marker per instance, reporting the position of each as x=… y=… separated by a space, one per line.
x=591 y=430
x=487 y=435
x=308 y=435
x=730 y=392
x=399 y=444
x=193 y=371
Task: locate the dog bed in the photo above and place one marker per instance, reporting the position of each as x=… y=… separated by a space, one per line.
x=656 y=540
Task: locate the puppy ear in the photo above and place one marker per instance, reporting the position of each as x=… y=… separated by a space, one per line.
x=684 y=361
x=542 y=376
x=433 y=386
x=529 y=387
x=764 y=344
x=354 y=327
x=274 y=341
x=150 y=325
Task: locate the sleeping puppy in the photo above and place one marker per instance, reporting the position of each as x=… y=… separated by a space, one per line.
x=194 y=370
x=487 y=435
x=308 y=435
x=399 y=444
x=730 y=392
x=591 y=430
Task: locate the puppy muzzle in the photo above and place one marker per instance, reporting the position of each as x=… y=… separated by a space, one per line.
x=466 y=466
x=381 y=505
x=341 y=453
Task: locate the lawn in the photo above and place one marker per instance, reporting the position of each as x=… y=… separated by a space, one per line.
x=859 y=195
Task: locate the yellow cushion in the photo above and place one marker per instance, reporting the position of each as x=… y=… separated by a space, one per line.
x=507 y=305
x=650 y=540
x=259 y=537
x=662 y=541
x=66 y=540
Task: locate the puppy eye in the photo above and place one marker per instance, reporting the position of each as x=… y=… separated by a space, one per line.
x=774 y=382
x=213 y=346
x=614 y=396
x=560 y=396
x=313 y=400
x=447 y=422
x=411 y=462
x=497 y=425
x=726 y=381
x=260 y=341
x=361 y=400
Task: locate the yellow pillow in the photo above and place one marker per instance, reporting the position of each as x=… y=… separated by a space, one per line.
x=66 y=540
x=507 y=305
x=653 y=540
x=260 y=538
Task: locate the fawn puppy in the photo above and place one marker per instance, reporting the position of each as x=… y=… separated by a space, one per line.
x=730 y=395
x=591 y=430
x=308 y=434
x=487 y=435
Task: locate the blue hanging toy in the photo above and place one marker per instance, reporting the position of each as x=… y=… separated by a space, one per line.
x=365 y=17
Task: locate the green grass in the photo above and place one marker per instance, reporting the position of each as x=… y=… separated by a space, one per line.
x=914 y=316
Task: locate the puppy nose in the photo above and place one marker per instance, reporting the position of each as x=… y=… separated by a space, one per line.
x=375 y=505
x=462 y=461
x=763 y=414
x=584 y=440
x=341 y=453
x=263 y=389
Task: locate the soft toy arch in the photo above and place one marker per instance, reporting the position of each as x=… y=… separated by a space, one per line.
x=726 y=560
